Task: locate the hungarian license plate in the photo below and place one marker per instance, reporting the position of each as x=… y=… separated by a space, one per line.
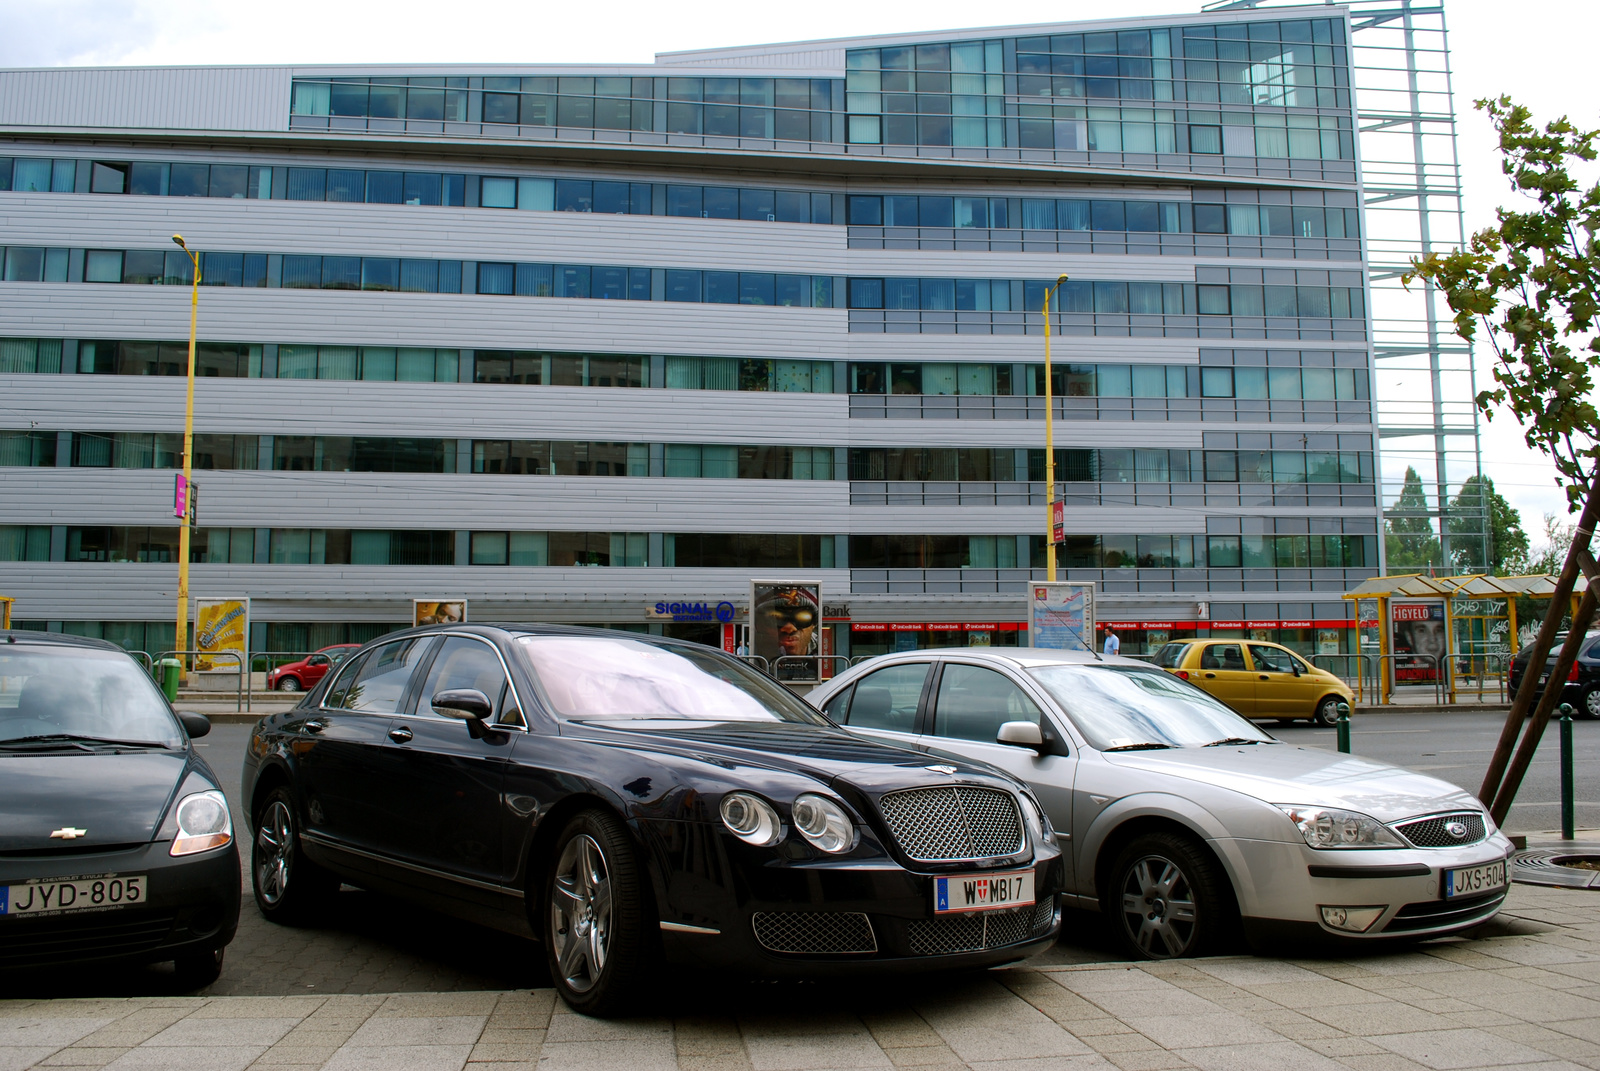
x=1470 y=880
x=982 y=892
x=72 y=894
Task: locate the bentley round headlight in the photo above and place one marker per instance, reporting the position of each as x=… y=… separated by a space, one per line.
x=824 y=823
x=751 y=819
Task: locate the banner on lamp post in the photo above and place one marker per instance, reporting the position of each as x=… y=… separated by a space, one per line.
x=1061 y=616
x=1058 y=522
x=221 y=625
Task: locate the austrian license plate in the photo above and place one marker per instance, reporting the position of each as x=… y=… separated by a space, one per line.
x=982 y=892
x=1470 y=880
x=95 y=893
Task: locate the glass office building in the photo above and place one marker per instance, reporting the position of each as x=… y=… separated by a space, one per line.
x=571 y=342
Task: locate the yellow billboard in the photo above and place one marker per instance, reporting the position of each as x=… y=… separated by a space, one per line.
x=221 y=625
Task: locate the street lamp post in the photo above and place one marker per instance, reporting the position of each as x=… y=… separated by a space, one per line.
x=182 y=636
x=1049 y=443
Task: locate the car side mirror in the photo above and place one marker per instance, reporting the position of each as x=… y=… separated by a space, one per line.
x=463 y=704
x=196 y=725
x=1020 y=734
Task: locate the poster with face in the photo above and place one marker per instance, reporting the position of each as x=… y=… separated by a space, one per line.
x=1418 y=641
x=784 y=622
x=438 y=611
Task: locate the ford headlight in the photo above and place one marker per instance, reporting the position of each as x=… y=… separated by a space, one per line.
x=751 y=819
x=203 y=823
x=1329 y=827
x=824 y=823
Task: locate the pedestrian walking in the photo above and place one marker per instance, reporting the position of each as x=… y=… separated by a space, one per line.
x=1113 y=645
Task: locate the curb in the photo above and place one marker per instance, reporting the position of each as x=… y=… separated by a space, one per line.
x=1434 y=708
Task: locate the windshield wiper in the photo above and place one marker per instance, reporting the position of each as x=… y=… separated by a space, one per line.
x=1234 y=740
x=79 y=740
x=1149 y=745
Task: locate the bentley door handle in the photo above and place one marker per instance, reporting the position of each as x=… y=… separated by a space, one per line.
x=315 y=725
x=400 y=734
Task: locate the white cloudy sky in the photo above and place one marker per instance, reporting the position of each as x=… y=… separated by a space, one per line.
x=1540 y=51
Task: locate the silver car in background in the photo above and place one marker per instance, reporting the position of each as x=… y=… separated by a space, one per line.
x=1181 y=820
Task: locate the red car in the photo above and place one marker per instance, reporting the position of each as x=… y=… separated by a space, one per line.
x=302 y=675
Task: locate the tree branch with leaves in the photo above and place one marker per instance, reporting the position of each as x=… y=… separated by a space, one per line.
x=1527 y=288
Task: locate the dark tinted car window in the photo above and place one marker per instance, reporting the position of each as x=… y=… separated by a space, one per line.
x=86 y=692
x=1270 y=659
x=888 y=698
x=1170 y=655
x=1222 y=656
x=379 y=683
x=975 y=701
x=464 y=662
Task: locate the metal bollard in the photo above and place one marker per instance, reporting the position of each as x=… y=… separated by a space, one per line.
x=1344 y=728
x=1568 y=818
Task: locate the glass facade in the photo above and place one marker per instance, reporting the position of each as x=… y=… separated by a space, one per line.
x=1212 y=374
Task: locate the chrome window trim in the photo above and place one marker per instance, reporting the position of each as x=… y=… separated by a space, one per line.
x=511 y=687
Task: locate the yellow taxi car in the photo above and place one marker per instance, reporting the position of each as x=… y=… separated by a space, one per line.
x=1259 y=680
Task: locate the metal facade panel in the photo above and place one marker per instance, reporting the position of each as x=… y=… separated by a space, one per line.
x=148 y=98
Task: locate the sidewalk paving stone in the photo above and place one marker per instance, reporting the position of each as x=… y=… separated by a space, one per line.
x=1524 y=995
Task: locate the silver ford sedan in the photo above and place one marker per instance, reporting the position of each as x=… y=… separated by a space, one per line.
x=1181 y=819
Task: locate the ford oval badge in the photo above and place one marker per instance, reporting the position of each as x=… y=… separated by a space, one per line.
x=1456 y=829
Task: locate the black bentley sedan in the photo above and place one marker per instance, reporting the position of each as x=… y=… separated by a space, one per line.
x=115 y=839
x=631 y=801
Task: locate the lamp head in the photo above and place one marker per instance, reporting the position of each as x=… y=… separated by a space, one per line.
x=178 y=238
x=1060 y=279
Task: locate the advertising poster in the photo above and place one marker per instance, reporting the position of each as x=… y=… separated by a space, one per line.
x=1061 y=617
x=221 y=625
x=1418 y=630
x=784 y=621
x=438 y=611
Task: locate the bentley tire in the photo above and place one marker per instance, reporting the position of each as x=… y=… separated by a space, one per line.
x=1327 y=711
x=1167 y=898
x=287 y=885
x=196 y=970
x=595 y=916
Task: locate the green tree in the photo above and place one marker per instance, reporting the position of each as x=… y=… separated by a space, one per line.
x=1409 y=540
x=1530 y=288
x=1486 y=531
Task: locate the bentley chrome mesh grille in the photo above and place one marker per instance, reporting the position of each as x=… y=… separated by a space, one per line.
x=814 y=932
x=974 y=932
x=1445 y=830
x=959 y=822
x=1044 y=914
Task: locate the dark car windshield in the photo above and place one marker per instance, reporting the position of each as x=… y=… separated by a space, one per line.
x=1125 y=707
x=48 y=691
x=623 y=678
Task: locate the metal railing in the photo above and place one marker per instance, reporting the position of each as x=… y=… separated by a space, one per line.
x=808 y=660
x=1361 y=678
x=1468 y=665
x=1438 y=677
x=243 y=701
x=758 y=661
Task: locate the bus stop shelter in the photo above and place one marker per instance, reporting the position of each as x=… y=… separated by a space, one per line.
x=1441 y=632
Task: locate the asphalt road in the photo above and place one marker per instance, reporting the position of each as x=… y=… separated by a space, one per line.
x=367 y=943
x=1457 y=748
